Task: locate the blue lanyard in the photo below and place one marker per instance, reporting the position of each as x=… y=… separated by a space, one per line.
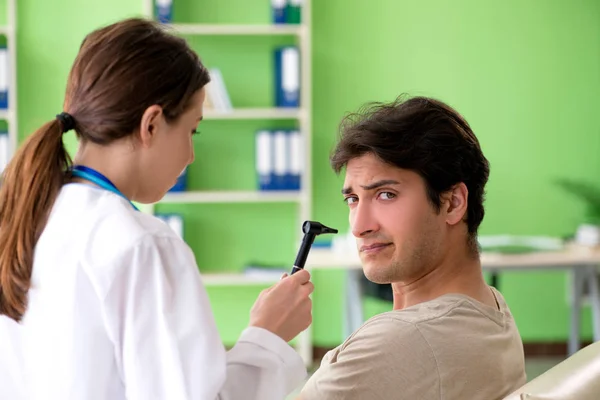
x=97 y=178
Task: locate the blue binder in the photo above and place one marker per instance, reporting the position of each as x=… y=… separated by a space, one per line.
x=280 y=159
x=4 y=153
x=181 y=184
x=264 y=160
x=287 y=76
x=164 y=11
x=296 y=160
x=279 y=11
x=4 y=77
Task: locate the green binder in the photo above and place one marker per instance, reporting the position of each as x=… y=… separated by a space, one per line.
x=293 y=11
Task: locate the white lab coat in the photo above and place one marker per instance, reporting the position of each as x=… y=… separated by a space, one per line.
x=11 y=377
x=117 y=310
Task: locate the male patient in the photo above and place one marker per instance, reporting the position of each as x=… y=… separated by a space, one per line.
x=414 y=186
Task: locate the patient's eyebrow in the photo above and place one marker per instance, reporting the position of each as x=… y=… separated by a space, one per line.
x=374 y=185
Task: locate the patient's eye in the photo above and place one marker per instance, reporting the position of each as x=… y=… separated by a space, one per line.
x=386 y=195
x=350 y=200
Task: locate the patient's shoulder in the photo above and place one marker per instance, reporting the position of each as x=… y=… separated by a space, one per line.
x=383 y=355
x=452 y=308
x=419 y=348
x=424 y=328
x=381 y=336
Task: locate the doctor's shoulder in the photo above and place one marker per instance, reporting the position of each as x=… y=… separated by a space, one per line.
x=119 y=237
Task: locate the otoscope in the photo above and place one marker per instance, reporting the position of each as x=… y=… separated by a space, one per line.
x=311 y=229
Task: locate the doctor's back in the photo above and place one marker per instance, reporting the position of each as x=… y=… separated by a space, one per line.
x=94 y=253
x=99 y=301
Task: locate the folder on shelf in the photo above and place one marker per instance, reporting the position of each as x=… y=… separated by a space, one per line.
x=4 y=77
x=279 y=159
x=295 y=154
x=293 y=11
x=264 y=160
x=217 y=97
x=287 y=76
x=164 y=11
x=175 y=222
x=181 y=184
x=279 y=10
x=4 y=153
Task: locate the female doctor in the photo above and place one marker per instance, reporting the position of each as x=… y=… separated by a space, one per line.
x=109 y=300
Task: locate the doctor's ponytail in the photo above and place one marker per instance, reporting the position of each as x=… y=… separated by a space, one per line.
x=30 y=184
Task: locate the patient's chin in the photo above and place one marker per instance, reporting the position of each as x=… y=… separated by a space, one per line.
x=377 y=273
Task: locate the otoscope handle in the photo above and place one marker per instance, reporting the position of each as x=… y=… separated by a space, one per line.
x=302 y=255
x=295 y=269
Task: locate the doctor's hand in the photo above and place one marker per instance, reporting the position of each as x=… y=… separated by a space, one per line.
x=285 y=309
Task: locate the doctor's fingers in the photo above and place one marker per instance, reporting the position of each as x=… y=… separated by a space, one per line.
x=300 y=277
x=302 y=303
x=304 y=309
x=307 y=288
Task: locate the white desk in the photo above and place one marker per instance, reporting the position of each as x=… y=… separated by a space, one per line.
x=581 y=262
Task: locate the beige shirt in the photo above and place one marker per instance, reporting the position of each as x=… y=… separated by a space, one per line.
x=450 y=348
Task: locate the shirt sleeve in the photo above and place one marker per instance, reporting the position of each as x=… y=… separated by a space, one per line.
x=385 y=359
x=167 y=346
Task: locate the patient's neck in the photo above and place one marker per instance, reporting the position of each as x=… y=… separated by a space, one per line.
x=458 y=272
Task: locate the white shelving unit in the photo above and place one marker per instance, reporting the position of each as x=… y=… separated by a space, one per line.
x=223 y=29
x=10 y=115
x=6 y=114
x=302 y=33
x=216 y=279
x=256 y=113
x=225 y=196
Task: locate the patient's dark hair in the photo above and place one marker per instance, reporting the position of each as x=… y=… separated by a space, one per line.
x=423 y=135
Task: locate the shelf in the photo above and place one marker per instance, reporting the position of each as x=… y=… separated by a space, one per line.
x=6 y=115
x=226 y=29
x=245 y=116
x=237 y=279
x=5 y=29
x=254 y=113
x=232 y=197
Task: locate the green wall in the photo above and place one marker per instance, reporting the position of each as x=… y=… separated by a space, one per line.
x=524 y=75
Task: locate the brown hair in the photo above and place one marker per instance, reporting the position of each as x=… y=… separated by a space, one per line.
x=423 y=135
x=120 y=71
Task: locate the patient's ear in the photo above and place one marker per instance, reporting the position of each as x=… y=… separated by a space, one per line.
x=455 y=203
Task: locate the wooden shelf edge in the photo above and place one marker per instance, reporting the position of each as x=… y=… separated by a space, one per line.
x=237 y=279
x=235 y=29
x=192 y=197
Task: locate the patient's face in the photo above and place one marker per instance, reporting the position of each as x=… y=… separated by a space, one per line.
x=398 y=233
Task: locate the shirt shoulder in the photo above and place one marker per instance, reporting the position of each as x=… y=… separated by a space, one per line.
x=421 y=346
x=382 y=355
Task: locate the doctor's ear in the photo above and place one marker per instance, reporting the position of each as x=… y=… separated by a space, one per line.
x=455 y=202
x=152 y=119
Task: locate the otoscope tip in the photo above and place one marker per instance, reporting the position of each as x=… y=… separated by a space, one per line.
x=316 y=228
x=327 y=229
